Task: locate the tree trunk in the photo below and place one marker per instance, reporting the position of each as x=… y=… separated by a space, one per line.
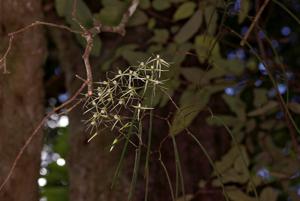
x=21 y=98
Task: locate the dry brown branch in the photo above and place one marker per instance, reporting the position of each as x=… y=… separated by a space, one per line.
x=3 y=59
x=121 y=27
x=19 y=31
x=98 y=28
x=256 y=18
x=35 y=132
x=282 y=104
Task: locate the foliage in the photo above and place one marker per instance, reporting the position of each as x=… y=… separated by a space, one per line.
x=202 y=40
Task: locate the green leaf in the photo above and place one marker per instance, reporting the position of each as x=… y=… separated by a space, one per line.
x=234 y=66
x=211 y=18
x=129 y=47
x=260 y=97
x=229 y=159
x=105 y=66
x=192 y=75
x=220 y=120
x=160 y=36
x=268 y=194
x=234 y=165
x=151 y=23
x=231 y=176
x=294 y=107
x=190 y=28
x=83 y=14
x=206 y=45
x=60 y=6
x=237 y=195
x=185 y=10
x=251 y=64
x=245 y=8
x=155 y=48
x=139 y=17
x=242 y=162
x=131 y=56
x=192 y=101
x=111 y=14
x=236 y=105
x=180 y=54
x=97 y=44
x=145 y=4
x=214 y=72
x=161 y=5
x=270 y=106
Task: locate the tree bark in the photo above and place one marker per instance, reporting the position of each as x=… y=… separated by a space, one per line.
x=21 y=98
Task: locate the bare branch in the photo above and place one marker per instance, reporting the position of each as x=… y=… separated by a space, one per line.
x=3 y=59
x=120 y=29
x=85 y=56
x=98 y=28
x=19 y=31
x=244 y=39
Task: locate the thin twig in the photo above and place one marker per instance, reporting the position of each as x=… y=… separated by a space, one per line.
x=85 y=57
x=3 y=59
x=12 y=35
x=120 y=28
x=256 y=18
x=282 y=104
x=98 y=28
x=49 y=24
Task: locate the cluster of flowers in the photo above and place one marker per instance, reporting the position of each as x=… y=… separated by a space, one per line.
x=116 y=99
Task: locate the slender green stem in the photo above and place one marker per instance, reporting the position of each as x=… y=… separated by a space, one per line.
x=178 y=167
x=117 y=172
x=137 y=160
x=277 y=58
x=168 y=177
x=287 y=10
x=148 y=154
x=204 y=151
